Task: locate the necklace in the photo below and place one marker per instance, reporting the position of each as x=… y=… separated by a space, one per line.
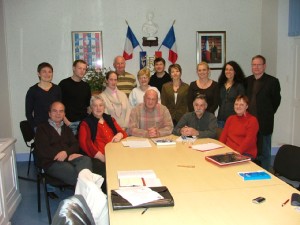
x=203 y=85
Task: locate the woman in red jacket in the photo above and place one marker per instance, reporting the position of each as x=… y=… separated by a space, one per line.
x=240 y=130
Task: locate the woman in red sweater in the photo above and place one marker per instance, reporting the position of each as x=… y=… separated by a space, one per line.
x=98 y=129
x=240 y=130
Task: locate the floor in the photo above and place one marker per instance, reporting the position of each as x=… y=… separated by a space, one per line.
x=27 y=212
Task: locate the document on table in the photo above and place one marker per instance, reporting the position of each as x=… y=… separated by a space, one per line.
x=144 y=143
x=206 y=147
x=139 y=195
x=138 y=178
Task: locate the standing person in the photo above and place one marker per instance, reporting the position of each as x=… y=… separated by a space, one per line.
x=174 y=94
x=204 y=86
x=160 y=76
x=240 y=130
x=126 y=81
x=136 y=96
x=116 y=102
x=40 y=96
x=150 y=119
x=76 y=95
x=231 y=84
x=57 y=149
x=263 y=91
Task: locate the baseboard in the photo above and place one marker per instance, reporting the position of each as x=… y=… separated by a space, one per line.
x=23 y=157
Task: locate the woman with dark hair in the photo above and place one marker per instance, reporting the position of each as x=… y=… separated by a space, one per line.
x=240 y=130
x=231 y=84
x=116 y=101
x=40 y=96
x=174 y=94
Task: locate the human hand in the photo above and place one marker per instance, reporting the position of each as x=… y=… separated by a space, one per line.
x=61 y=156
x=153 y=132
x=74 y=156
x=100 y=156
x=117 y=137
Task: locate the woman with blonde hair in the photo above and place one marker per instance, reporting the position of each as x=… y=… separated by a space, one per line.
x=136 y=96
x=205 y=87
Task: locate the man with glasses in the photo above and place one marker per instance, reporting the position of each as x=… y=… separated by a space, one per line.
x=263 y=91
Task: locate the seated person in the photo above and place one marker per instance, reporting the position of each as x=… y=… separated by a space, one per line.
x=240 y=130
x=98 y=129
x=57 y=148
x=150 y=119
x=137 y=94
x=200 y=123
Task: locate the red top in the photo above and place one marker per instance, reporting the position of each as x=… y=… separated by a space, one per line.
x=240 y=133
x=104 y=135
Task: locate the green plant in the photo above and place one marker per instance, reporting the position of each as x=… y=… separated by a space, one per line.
x=95 y=78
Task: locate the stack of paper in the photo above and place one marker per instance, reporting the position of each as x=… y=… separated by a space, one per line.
x=143 y=143
x=163 y=141
x=138 y=178
x=138 y=195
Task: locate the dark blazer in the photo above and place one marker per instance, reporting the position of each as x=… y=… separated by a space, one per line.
x=168 y=99
x=267 y=101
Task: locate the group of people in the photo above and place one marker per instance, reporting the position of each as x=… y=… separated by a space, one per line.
x=72 y=127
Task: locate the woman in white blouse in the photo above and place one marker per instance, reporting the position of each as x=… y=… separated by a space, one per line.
x=137 y=94
x=116 y=101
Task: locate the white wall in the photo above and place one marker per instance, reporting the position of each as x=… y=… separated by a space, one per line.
x=39 y=31
x=5 y=115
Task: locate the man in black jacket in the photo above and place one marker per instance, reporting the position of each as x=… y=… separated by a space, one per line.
x=264 y=96
x=57 y=149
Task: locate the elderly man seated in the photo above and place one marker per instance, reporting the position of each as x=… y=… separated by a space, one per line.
x=57 y=148
x=150 y=118
x=199 y=123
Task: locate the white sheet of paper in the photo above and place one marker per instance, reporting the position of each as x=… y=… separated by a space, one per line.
x=206 y=147
x=138 y=195
x=138 y=178
x=137 y=143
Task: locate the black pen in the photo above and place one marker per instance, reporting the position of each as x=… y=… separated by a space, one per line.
x=144 y=210
x=283 y=204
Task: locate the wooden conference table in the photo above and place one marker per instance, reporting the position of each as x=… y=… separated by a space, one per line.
x=206 y=194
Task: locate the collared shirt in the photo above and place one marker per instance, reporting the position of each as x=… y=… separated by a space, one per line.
x=206 y=125
x=54 y=125
x=141 y=119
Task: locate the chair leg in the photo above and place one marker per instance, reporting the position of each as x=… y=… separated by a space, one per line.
x=47 y=201
x=38 y=183
x=29 y=162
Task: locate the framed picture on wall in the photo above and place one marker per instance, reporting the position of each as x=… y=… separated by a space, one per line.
x=211 y=48
x=87 y=45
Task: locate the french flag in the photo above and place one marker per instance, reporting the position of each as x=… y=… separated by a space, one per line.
x=170 y=43
x=130 y=43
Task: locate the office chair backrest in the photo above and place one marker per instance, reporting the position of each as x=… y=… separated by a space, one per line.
x=27 y=131
x=287 y=162
x=73 y=211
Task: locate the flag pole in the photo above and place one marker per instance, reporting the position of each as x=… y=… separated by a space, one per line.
x=162 y=42
x=138 y=42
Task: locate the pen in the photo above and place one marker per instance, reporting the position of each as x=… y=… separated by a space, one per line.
x=144 y=210
x=187 y=166
x=283 y=204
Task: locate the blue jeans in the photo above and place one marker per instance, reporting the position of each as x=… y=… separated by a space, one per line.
x=74 y=127
x=221 y=123
x=264 y=150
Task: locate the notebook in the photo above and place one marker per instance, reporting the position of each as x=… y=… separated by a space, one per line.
x=118 y=202
x=255 y=175
x=227 y=158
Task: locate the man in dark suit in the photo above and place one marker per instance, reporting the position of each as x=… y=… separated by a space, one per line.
x=264 y=96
